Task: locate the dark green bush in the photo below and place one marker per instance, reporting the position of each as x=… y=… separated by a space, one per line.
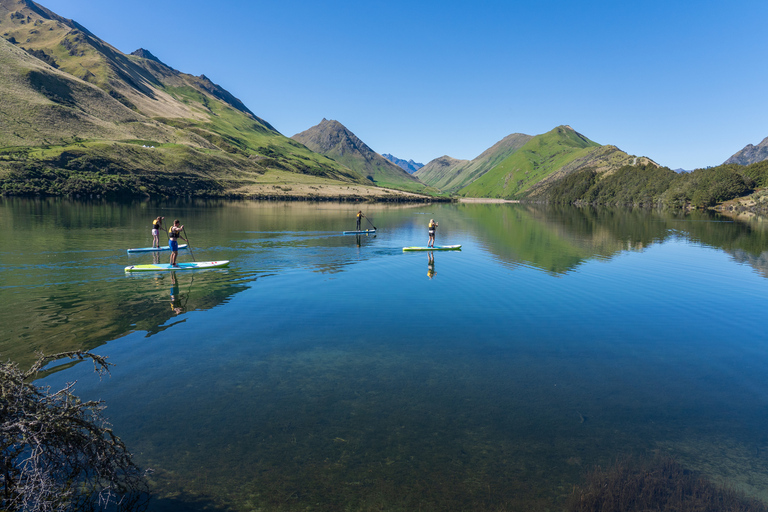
x=659 y=186
x=758 y=173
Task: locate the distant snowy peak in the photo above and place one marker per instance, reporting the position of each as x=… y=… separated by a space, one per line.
x=408 y=166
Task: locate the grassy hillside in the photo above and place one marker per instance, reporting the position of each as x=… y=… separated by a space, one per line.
x=450 y=175
x=534 y=161
x=76 y=113
x=438 y=172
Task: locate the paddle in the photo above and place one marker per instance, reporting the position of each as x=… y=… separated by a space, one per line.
x=371 y=223
x=189 y=246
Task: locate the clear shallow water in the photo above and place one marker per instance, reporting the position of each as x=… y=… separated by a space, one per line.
x=325 y=371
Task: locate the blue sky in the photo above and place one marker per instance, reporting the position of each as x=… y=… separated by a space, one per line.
x=683 y=83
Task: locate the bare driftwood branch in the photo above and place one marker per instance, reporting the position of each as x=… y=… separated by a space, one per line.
x=57 y=453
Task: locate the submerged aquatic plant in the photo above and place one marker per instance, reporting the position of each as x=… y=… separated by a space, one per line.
x=661 y=483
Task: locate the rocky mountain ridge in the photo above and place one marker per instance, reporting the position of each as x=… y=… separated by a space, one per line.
x=408 y=166
x=750 y=154
x=334 y=140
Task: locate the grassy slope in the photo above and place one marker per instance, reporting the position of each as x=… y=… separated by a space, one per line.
x=537 y=159
x=382 y=173
x=438 y=172
x=201 y=133
x=41 y=106
x=235 y=133
x=460 y=173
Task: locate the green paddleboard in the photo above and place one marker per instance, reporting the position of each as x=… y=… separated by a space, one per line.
x=435 y=248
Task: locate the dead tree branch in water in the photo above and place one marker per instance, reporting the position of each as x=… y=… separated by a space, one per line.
x=57 y=453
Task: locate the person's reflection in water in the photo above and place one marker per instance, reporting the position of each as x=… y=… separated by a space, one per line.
x=431 y=264
x=156 y=257
x=175 y=297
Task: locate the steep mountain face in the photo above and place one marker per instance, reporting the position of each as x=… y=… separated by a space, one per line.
x=463 y=172
x=534 y=161
x=750 y=154
x=71 y=48
x=72 y=103
x=408 y=166
x=41 y=105
x=334 y=140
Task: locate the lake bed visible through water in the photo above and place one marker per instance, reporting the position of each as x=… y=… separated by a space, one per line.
x=322 y=371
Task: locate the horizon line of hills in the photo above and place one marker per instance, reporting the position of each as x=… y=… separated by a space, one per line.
x=81 y=117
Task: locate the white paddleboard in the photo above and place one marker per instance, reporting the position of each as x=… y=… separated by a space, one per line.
x=155 y=249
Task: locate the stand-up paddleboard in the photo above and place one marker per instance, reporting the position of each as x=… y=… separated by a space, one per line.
x=435 y=248
x=359 y=232
x=162 y=267
x=155 y=249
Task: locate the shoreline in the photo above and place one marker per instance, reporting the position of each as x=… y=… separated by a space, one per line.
x=488 y=200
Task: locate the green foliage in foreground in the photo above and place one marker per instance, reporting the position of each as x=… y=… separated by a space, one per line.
x=659 y=186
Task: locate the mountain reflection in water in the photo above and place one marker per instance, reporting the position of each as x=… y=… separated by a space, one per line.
x=327 y=371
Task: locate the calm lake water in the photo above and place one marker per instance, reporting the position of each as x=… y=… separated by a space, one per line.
x=330 y=372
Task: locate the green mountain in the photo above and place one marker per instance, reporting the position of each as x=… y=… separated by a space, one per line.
x=79 y=116
x=449 y=175
x=439 y=171
x=334 y=140
x=534 y=161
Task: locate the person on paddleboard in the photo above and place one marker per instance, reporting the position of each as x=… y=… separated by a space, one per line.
x=432 y=228
x=157 y=225
x=173 y=240
x=359 y=218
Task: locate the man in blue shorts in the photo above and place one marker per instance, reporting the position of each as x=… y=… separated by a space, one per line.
x=173 y=240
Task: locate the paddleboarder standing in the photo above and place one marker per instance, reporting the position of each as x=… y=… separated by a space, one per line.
x=173 y=240
x=359 y=218
x=432 y=228
x=157 y=225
